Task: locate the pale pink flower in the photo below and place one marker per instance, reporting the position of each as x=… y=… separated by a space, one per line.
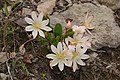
x=37 y=24
x=87 y=22
x=60 y=57
x=78 y=29
x=78 y=55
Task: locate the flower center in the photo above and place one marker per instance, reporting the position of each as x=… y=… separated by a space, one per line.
x=60 y=56
x=37 y=25
x=74 y=42
x=74 y=55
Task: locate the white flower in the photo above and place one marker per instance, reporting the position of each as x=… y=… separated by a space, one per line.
x=88 y=20
x=78 y=55
x=37 y=24
x=60 y=57
x=78 y=39
x=73 y=41
x=78 y=29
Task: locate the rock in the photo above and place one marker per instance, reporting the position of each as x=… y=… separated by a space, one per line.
x=69 y=1
x=57 y=18
x=26 y=11
x=62 y=5
x=93 y=55
x=113 y=4
x=21 y=22
x=106 y=31
x=64 y=2
x=3 y=76
x=46 y=6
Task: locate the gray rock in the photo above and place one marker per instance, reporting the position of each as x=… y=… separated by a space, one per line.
x=57 y=18
x=3 y=76
x=106 y=31
x=113 y=4
x=46 y=6
x=26 y=11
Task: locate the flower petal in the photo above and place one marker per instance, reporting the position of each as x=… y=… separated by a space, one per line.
x=66 y=41
x=86 y=17
x=54 y=62
x=71 y=48
x=78 y=47
x=70 y=39
x=89 y=19
x=88 y=22
x=84 y=39
x=78 y=37
x=81 y=50
x=88 y=44
x=45 y=22
x=46 y=28
x=34 y=33
x=90 y=26
x=68 y=63
x=54 y=49
x=68 y=55
x=40 y=17
x=34 y=16
x=51 y=56
x=61 y=65
x=82 y=29
x=28 y=20
x=29 y=28
x=78 y=30
x=84 y=56
x=59 y=47
x=64 y=46
x=74 y=66
x=80 y=62
x=74 y=27
x=41 y=33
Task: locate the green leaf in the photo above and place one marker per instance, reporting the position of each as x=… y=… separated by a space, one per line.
x=68 y=33
x=57 y=40
x=50 y=38
x=57 y=30
x=5 y=9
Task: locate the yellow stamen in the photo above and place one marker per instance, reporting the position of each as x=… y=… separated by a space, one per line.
x=60 y=56
x=75 y=42
x=37 y=25
x=74 y=55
